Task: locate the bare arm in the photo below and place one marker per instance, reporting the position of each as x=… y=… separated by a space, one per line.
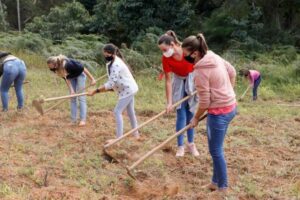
x=68 y=82
x=99 y=90
x=90 y=76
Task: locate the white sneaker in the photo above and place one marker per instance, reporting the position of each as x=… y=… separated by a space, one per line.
x=180 y=151
x=193 y=150
x=82 y=123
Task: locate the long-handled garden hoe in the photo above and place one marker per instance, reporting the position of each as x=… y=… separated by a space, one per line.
x=150 y=153
x=25 y=82
x=106 y=146
x=63 y=100
x=243 y=95
x=37 y=103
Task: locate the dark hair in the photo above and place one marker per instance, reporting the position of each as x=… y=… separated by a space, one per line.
x=114 y=50
x=244 y=72
x=4 y=54
x=196 y=43
x=168 y=38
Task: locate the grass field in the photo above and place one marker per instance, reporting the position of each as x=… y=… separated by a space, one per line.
x=48 y=158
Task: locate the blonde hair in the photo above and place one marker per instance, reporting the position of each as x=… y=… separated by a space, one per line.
x=59 y=62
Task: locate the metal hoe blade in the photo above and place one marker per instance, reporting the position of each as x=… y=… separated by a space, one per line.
x=38 y=106
x=109 y=157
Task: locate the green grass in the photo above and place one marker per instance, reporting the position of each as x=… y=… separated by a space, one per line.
x=73 y=156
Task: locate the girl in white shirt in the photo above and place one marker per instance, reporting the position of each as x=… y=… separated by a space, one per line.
x=120 y=80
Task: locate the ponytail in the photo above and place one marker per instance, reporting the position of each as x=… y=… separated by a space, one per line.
x=196 y=43
x=203 y=48
x=114 y=50
x=174 y=36
x=119 y=54
x=169 y=37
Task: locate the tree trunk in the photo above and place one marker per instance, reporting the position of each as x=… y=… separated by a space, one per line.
x=19 y=15
x=2 y=16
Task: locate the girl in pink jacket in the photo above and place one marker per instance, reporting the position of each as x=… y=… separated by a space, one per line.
x=254 y=80
x=214 y=82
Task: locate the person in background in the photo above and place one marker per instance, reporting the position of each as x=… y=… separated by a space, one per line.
x=74 y=73
x=182 y=85
x=122 y=81
x=254 y=78
x=214 y=81
x=12 y=70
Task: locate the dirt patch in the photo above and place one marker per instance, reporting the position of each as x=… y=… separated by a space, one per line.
x=53 y=159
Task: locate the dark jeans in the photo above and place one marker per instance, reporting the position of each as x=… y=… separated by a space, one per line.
x=255 y=87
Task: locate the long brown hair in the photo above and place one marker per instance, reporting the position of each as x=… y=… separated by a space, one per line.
x=169 y=37
x=196 y=43
x=114 y=50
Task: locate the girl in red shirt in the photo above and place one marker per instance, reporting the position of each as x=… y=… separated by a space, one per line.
x=182 y=85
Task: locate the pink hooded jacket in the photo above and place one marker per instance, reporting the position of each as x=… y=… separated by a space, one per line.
x=212 y=81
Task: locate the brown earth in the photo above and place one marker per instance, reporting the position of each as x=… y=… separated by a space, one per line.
x=48 y=158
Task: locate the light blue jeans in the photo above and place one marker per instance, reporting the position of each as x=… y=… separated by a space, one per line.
x=217 y=126
x=128 y=104
x=14 y=71
x=183 y=118
x=78 y=85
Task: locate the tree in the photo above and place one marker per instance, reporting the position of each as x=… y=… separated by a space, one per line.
x=125 y=20
x=3 y=23
x=69 y=19
x=105 y=21
x=19 y=15
x=138 y=15
x=28 y=9
x=89 y=5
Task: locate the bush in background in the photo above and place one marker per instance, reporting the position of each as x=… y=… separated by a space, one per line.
x=61 y=22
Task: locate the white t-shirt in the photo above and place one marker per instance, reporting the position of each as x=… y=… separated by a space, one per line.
x=120 y=79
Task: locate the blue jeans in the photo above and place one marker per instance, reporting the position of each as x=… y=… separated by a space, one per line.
x=78 y=85
x=216 y=130
x=255 y=87
x=184 y=116
x=13 y=72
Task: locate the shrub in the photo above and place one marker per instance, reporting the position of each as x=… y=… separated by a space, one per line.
x=32 y=42
x=284 y=54
x=67 y=20
x=29 y=42
x=136 y=60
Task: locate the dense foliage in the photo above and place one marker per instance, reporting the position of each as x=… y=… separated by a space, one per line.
x=247 y=24
x=250 y=33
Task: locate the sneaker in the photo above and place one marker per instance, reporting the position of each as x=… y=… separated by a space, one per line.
x=193 y=150
x=180 y=151
x=211 y=187
x=137 y=136
x=82 y=123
